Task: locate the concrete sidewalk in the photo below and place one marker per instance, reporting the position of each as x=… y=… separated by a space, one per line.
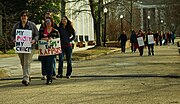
x=118 y=78
x=12 y=69
x=11 y=66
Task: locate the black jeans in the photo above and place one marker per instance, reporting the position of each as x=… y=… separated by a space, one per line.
x=68 y=52
x=133 y=48
x=123 y=46
x=141 y=50
x=47 y=63
x=150 y=49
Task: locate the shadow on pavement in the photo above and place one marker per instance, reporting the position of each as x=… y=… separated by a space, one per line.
x=111 y=76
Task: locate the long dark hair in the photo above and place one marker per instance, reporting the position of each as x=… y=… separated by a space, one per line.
x=68 y=27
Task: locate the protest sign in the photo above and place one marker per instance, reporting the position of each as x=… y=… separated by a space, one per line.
x=140 y=41
x=23 y=41
x=150 y=39
x=163 y=41
x=50 y=47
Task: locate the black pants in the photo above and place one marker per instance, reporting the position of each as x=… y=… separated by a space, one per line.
x=160 y=42
x=151 y=49
x=141 y=49
x=123 y=47
x=133 y=48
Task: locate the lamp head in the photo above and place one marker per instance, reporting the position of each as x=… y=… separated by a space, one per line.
x=105 y=10
x=121 y=16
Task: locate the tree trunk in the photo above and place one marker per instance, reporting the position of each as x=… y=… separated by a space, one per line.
x=63 y=6
x=96 y=21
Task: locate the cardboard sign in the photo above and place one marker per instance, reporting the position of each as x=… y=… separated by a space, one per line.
x=23 y=41
x=150 y=39
x=163 y=41
x=140 y=41
x=51 y=47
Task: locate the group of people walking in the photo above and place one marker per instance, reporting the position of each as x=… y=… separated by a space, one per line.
x=164 y=38
x=49 y=30
x=65 y=32
x=141 y=39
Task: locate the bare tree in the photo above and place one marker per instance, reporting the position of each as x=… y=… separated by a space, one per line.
x=172 y=17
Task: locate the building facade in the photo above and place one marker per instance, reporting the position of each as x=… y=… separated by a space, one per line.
x=80 y=15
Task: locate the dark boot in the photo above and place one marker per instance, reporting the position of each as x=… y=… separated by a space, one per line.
x=49 y=80
x=25 y=82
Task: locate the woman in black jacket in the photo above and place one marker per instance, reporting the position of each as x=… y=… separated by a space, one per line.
x=67 y=34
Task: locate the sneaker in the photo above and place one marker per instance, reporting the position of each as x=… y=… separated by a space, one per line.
x=68 y=77
x=43 y=78
x=25 y=82
x=59 y=76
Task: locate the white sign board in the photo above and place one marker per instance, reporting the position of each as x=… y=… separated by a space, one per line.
x=163 y=41
x=51 y=47
x=23 y=41
x=140 y=41
x=150 y=39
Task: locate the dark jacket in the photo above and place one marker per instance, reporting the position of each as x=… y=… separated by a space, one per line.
x=66 y=37
x=133 y=38
x=122 y=38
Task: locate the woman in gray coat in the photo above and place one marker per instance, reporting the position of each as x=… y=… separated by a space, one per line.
x=26 y=58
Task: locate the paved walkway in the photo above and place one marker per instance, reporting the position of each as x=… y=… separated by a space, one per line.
x=118 y=78
x=13 y=69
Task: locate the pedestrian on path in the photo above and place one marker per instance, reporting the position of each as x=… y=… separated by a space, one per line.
x=156 y=37
x=133 y=41
x=150 y=43
x=48 y=14
x=141 y=42
x=47 y=33
x=67 y=34
x=123 y=38
x=172 y=37
x=26 y=58
x=160 y=38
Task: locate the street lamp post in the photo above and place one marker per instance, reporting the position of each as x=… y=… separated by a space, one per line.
x=105 y=13
x=162 y=25
x=121 y=17
x=148 y=22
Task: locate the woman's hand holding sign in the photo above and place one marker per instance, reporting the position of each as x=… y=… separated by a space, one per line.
x=45 y=39
x=33 y=41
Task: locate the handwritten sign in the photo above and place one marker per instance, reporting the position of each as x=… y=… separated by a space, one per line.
x=150 y=39
x=140 y=41
x=23 y=41
x=51 y=47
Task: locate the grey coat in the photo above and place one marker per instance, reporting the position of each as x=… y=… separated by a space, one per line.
x=30 y=26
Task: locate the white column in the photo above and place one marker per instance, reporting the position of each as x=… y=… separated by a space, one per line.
x=88 y=26
x=83 y=26
x=156 y=18
x=142 y=27
x=77 y=22
x=92 y=29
